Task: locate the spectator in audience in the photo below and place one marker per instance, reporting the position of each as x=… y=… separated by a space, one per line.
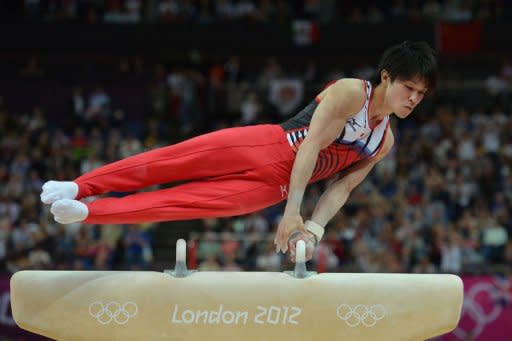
x=494 y=240
x=98 y=107
x=137 y=248
x=451 y=253
x=32 y=69
x=268 y=259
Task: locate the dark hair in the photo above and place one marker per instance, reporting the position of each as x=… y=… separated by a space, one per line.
x=408 y=60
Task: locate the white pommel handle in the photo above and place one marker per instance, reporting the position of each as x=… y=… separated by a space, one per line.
x=181 y=250
x=300 y=260
x=300 y=252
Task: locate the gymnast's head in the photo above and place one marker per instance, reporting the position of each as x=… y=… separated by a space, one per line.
x=406 y=72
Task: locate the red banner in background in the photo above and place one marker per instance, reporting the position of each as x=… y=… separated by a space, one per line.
x=486 y=312
x=459 y=38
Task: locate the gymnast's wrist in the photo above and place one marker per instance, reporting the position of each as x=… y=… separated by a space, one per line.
x=316 y=229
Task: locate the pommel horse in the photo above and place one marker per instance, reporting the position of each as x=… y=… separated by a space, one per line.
x=183 y=305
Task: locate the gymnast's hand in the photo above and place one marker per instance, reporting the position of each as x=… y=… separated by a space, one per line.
x=291 y=229
x=288 y=224
x=308 y=237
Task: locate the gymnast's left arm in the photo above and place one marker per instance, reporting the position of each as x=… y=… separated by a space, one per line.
x=338 y=192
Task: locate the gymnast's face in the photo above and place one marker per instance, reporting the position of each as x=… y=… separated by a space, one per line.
x=403 y=95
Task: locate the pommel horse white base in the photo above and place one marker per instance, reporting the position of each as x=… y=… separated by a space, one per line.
x=184 y=306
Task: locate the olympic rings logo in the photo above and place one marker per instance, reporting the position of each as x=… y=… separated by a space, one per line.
x=474 y=307
x=361 y=314
x=113 y=311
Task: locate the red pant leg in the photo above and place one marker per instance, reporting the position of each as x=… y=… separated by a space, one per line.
x=222 y=197
x=223 y=152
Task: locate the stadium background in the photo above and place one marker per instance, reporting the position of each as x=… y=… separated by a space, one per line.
x=85 y=83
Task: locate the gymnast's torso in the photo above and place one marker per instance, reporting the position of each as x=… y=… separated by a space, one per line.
x=357 y=141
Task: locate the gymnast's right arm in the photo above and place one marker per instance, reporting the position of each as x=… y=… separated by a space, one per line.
x=339 y=102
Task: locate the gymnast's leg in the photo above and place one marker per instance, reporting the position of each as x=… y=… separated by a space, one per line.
x=222 y=197
x=223 y=152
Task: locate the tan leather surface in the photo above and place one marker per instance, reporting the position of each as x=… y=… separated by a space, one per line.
x=73 y=305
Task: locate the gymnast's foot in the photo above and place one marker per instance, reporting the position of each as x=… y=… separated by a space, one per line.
x=67 y=211
x=56 y=190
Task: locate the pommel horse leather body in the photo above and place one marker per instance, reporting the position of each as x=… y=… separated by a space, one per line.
x=117 y=305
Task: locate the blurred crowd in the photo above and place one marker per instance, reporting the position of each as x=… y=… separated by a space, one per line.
x=441 y=202
x=34 y=149
x=281 y=11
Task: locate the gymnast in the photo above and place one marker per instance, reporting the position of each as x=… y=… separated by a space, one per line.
x=339 y=136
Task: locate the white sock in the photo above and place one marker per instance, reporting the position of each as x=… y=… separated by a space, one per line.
x=67 y=211
x=56 y=190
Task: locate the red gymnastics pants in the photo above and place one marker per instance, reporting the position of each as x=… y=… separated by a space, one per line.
x=230 y=172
